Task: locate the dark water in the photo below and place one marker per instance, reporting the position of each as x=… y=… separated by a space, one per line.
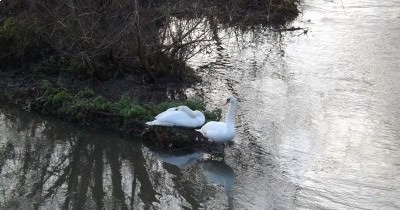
x=317 y=128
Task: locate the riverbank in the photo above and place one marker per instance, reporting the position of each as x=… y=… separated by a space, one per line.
x=122 y=105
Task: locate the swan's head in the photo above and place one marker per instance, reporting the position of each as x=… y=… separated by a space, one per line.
x=231 y=100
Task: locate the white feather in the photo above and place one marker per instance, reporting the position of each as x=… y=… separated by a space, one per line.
x=181 y=116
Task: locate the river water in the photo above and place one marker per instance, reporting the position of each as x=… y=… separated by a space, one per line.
x=317 y=128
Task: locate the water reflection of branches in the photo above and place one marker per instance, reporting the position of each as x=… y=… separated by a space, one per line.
x=53 y=165
x=71 y=172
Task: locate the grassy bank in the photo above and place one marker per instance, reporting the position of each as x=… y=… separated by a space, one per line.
x=88 y=109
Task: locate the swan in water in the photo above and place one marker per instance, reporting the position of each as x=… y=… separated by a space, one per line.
x=221 y=132
x=181 y=116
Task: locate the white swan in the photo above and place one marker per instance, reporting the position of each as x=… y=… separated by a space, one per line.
x=221 y=132
x=181 y=116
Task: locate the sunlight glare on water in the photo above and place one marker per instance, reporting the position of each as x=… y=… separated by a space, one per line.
x=322 y=108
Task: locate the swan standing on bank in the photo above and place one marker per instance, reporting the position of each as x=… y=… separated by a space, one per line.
x=181 y=116
x=221 y=132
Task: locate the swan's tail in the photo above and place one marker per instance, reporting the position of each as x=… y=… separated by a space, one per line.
x=150 y=123
x=159 y=123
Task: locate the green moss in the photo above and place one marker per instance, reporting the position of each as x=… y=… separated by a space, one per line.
x=86 y=102
x=130 y=108
x=51 y=98
x=126 y=115
x=136 y=111
x=86 y=93
x=60 y=98
x=94 y=103
x=83 y=105
x=93 y=111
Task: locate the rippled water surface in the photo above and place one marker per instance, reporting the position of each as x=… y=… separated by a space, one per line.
x=317 y=128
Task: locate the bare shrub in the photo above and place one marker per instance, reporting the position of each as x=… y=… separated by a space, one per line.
x=102 y=39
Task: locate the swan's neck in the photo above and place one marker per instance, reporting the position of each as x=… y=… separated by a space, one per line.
x=188 y=111
x=230 y=116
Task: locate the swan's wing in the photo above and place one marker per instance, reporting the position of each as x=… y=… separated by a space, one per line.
x=212 y=129
x=166 y=112
x=189 y=112
x=158 y=119
x=177 y=118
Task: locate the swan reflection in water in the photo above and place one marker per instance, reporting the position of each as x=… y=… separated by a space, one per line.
x=219 y=173
x=181 y=161
x=216 y=172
